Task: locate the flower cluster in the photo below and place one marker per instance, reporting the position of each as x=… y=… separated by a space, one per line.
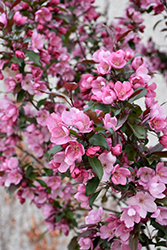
x=73 y=134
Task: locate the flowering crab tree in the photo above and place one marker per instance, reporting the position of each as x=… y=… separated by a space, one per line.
x=73 y=138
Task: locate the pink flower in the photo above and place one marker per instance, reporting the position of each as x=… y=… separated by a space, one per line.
x=10 y=84
x=63 y=164
x=27 y=84
x=123 y=90
x=157 y=123
x=14 y=66
x=117 y=59
x=142 y=71
x=161 y=172
x=53 y=181
x=110 y=122
x=158 y=8
x=3 y=20
x=36 y=41
x=42 y=116
x=116 y=150
x=97 y=84
x=145 y=175
x=19 y=77
x=123 y=232
x=53 y=121
x=156 y=188
x=19 y=54
x=60 y=134
x=81 y=197
x=108 y=95
x=161 y=215
x=85 y=243
x=119 y=175
x=106 y=231
x=81 y=175
x=19 y=19
x=137 y=62
x=74 y=151
x=145 y=201
x=130 y=215
x=107 y=160
x=94 y=217
x=150 y=90
x=92 y=151
x=13 y=177
x=163 y=140
x=78 y=119
x=43 y=15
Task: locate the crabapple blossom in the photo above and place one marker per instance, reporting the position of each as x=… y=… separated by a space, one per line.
x=119 y=175
x=117 y=59
x=156 y=188
x=160 y=215
x=81 y=197
x=43 y=15
x=85 y=243
x=19 y=19
x=130 y=215
x=145 y=201
x=10 y=84
x=107 y=160
x=123 y=90
x=161 y=172
x=94 y=217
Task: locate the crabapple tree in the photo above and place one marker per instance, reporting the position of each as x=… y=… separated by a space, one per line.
x=70 y=104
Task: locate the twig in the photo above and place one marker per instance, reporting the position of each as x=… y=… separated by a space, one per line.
x=26 y=152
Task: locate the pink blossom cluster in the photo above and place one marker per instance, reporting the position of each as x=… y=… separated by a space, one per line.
x=72 y=134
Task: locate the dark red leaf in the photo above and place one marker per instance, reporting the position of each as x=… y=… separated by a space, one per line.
x=136 y=93
x=164 y=29
x=14 y=4
x=70 y=85
x=161 y=154
x=88 y=61
x=93 y=116
x=123 y=35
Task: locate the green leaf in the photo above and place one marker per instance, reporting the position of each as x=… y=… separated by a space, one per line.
x=48 y=171
x=41 y=102
x=16 y=60
x=73 y=245
x=41 y=182
x=11 y=189
x=22 y=114
x=111 y=130
x=155 y=25
x=133 y=242
x=93 y=198
x=158 y=226
x=63 y=17
x=138 y=131
x=96 y=166
x=33 y=175
x=161 y=243
x=138 y=93
x=20 y=95
x=43 y=234
x=98 y=140
x=29 y=170
x=34 y=57
x=54 y=150
x=92 y=185
x=74 y=133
